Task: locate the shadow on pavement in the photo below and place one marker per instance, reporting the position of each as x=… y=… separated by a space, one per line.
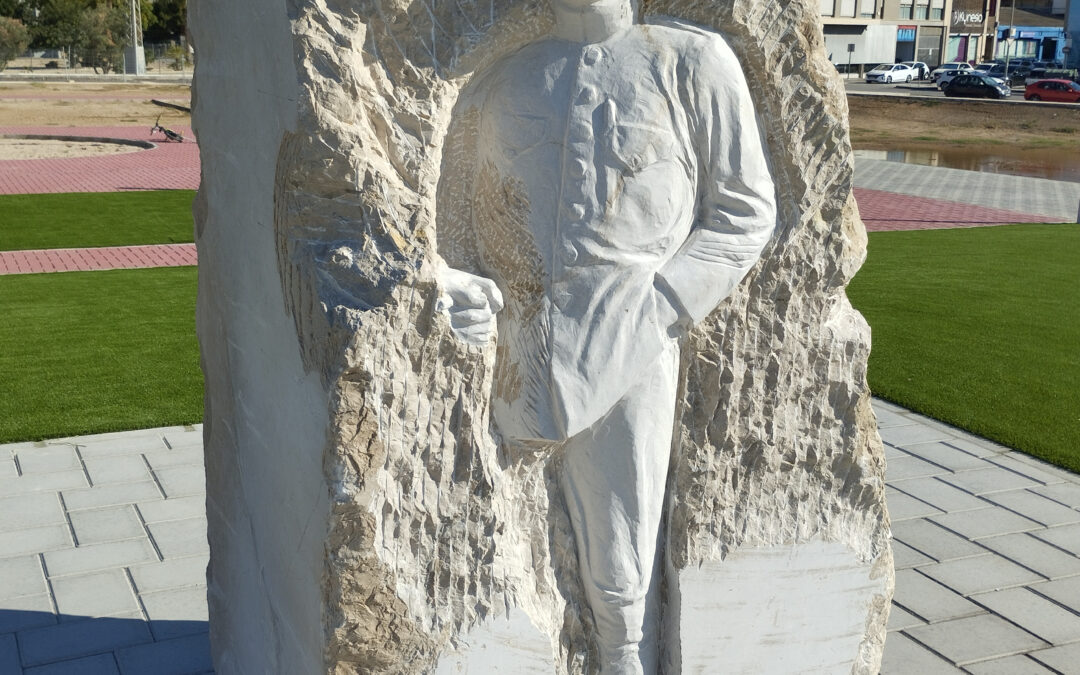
x=42 y=643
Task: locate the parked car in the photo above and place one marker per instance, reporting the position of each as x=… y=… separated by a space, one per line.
x=1053 y=90
x=891 y=72
x=945 y=77
x=975 y=85
x=922 y=70
x=1015 y=73
x=954 y=65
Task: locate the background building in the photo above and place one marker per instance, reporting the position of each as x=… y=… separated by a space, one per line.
x=1036 y=30
x=866 y=33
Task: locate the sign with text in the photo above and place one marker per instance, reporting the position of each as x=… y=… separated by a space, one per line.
x=905 y=33
x=967 y=16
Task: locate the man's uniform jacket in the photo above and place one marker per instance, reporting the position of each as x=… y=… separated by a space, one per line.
x=596 y=184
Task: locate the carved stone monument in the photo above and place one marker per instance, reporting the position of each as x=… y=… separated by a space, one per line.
x=526 y=341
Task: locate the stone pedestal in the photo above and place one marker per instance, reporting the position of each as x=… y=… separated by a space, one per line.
x=364 y=515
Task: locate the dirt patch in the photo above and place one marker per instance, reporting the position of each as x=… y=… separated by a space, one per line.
x=33 y=148
x=72 y=104
x=882 y=123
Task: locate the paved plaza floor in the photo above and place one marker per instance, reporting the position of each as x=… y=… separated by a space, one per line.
x=103 y=553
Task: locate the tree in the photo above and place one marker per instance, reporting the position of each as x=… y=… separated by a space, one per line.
x=14 y=39
x=169 y=20
x=104 y=31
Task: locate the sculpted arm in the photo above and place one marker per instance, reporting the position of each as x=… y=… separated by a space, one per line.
x=468 y=298
x=737 y=207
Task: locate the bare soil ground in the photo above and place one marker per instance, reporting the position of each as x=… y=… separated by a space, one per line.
x=883 y=123
x=72 y=104
x=28 y=148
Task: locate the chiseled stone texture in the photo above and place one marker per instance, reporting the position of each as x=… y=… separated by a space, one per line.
x=434 y=540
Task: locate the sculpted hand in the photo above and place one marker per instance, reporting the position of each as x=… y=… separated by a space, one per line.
x=471 y=302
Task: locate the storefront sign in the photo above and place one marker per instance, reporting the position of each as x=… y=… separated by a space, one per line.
x=905 y=33
x=967 y=16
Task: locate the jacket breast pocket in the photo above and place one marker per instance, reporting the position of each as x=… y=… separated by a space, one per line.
x=636 y=147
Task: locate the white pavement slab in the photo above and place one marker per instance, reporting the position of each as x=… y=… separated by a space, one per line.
x=103 y=555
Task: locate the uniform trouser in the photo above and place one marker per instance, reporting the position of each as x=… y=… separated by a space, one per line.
x=613 y=478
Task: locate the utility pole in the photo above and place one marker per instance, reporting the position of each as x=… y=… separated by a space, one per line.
x=134 y=58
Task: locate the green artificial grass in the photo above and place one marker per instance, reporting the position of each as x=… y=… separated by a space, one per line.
x=85 y=220
x=90 y=352
x=980 y=328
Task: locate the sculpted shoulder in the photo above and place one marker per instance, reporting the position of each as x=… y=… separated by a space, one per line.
x=518 y=70
x=694 y=47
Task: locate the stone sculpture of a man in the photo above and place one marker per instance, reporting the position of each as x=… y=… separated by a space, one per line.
x=609 y=184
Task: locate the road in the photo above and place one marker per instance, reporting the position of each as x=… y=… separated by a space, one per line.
x=913 y=88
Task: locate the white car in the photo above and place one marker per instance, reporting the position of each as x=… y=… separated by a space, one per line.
x=922 y=71
x=892 y=72
x=956 y=65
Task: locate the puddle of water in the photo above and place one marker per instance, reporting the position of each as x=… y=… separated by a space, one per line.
x=1041 y=163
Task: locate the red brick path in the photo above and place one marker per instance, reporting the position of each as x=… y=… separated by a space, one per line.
x=93 y=259
x=886 y=211
x=169 y=166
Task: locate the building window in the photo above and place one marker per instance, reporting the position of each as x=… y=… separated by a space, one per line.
x=921 y=11
x=905 y=11
x=867 y=8
x=827 y=7
x=937 y=13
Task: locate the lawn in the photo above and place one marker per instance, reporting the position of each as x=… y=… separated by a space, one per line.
x=90 y=352
x=980 y=328
x=84 y=220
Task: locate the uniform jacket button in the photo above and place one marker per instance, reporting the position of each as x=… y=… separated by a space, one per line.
x=570 y=254
x=562 y=299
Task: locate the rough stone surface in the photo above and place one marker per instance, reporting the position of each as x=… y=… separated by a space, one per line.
x=417 y=530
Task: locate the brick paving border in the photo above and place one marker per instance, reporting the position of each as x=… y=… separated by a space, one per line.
x=94 y=259
x=888 y=211
x=168 y=166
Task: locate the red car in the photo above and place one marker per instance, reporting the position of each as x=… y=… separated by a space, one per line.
x=1053 y=90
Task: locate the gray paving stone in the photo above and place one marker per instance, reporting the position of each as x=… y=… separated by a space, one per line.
x=1065 y=536
x=182 y=481
x=170 y=574
x=99 y=557
x=180 y=538
x=97 y=594
x=48 y=459
x=182 y=611
x=40 y=482
x=73 y=639
x=1010 y=665
x=35 y=540
x=975 y=638
x=916 y=433
x=1034 y=614
x=110 y=495
x=934 y=540
x=1028 y=468
x=30 y=510
x=7 y=466
x=99 y=526
x=1063 y=591
x=1034 y=554
x=1064 y=659
x=993 y=479
x=900 y=618
x=946 y=455
x=1066 y=493
x=184 y=456
x=940 y=494
x=892 y=453
x=182 y=656
x=9 y=655
x=980 y=447
x=903 y=506
x=120 y=443
x=183 y=437
x=903 y=468
x=177 y=508
x=20 y=576
x=989 y=522
x=99 y=664
x=904 y=656
x=881 y=404
x=1036 y=507
x=119 y=469
x=888 y=418
x=904 y=556
x=28 y=611
x=929 y=600
x=980 y=574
